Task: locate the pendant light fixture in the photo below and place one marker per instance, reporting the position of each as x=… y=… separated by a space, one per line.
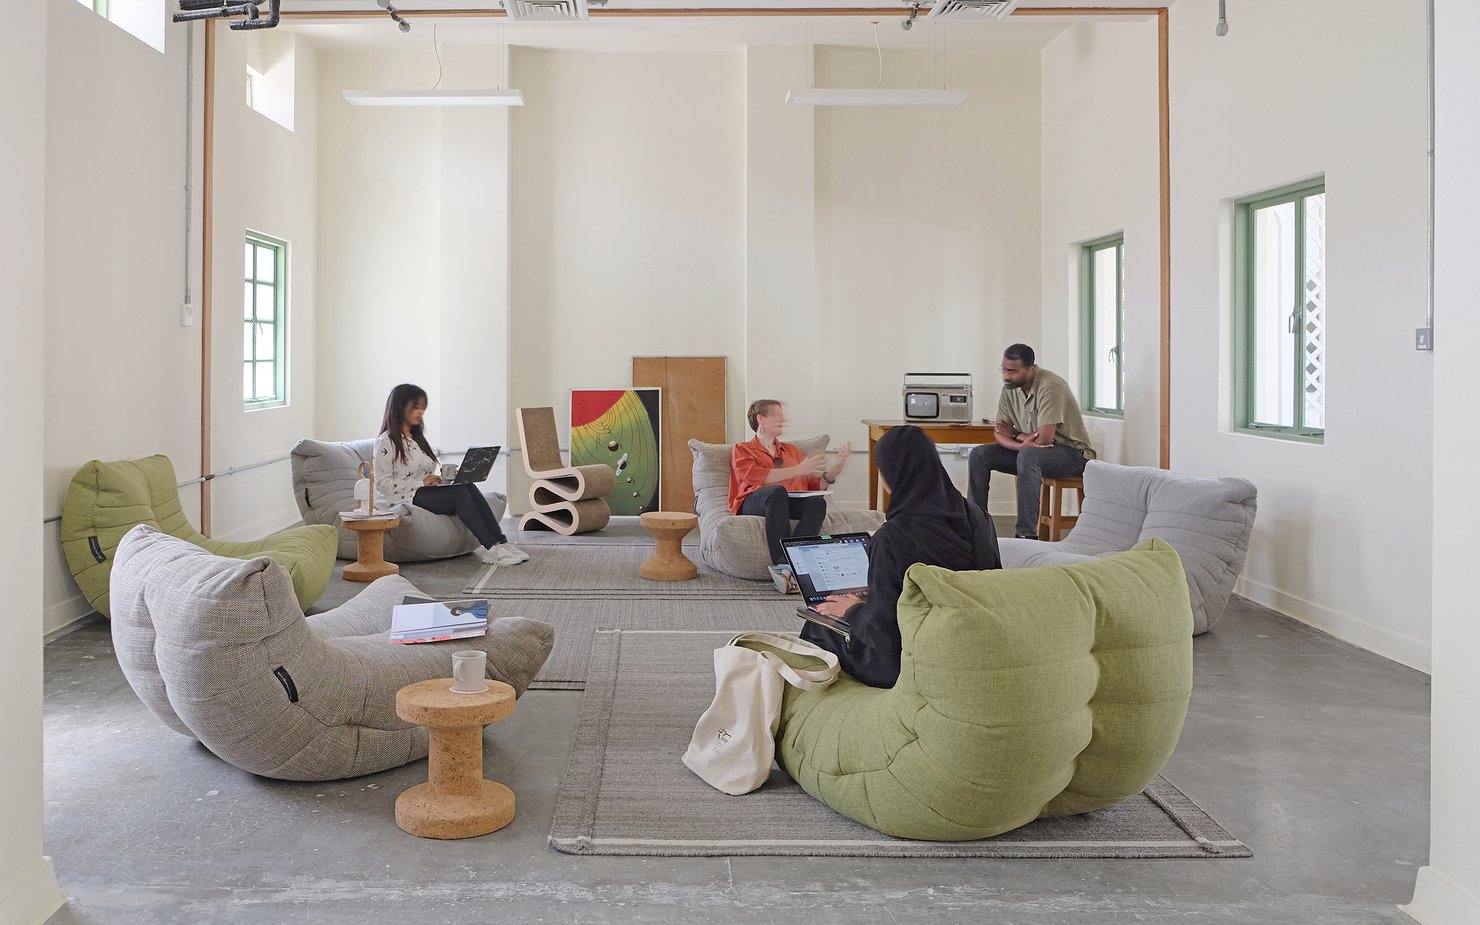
x=438 y=97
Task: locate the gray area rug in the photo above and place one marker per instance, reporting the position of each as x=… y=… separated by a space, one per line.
x=627 y=793
x=576 y=623
x=621 y=531
x=573 y=571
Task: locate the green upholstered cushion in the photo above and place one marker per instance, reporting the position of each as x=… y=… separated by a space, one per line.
x=1023 y=693
x=107 y=499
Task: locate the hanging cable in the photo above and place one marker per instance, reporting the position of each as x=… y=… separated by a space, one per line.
x=879 y=49
x=438 y=49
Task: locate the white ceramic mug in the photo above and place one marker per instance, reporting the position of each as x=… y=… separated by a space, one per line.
x=468 y=668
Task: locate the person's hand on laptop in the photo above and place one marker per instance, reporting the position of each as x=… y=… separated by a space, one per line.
x=837 y=605
x=431 y=480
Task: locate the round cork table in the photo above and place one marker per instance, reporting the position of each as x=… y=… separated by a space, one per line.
x=371 y=563
x=455 y=802
x=668 y=563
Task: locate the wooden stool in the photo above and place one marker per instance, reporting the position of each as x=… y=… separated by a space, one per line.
x=668 y=563
x=455 y=802
x=371 y=563
x=1054 y=523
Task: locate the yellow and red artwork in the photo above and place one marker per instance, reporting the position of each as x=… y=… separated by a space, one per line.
x=620 y=428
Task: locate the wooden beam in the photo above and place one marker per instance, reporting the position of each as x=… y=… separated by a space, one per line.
x=1164 y=396
x=207 y=272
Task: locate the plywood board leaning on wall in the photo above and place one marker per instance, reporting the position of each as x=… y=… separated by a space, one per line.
x=693 y=408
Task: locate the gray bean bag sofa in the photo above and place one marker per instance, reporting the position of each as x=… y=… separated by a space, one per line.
x=324 y=477
x=220 y=651
x=1208 y=522
x=736 y=543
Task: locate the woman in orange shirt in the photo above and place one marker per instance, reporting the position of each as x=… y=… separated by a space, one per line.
x=764 y=469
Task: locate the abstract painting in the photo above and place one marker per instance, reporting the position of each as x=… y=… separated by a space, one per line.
x=620 y=428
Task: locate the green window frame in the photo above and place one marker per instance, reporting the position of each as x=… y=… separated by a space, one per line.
x=1102 y=397
x=265 y=323
x=1280 y=312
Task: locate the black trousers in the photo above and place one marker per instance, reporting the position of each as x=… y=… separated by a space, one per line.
x=467 y=502
x=779 y=509
x=1030 y=466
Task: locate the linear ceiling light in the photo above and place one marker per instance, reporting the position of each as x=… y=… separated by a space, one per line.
x=434 y=97
x=879 y=97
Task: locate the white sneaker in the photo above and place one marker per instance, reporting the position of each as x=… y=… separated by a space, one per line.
x=489 y=556
x=783 y=579
x=509 y=554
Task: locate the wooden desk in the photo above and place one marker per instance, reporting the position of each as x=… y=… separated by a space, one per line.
x=939 y=432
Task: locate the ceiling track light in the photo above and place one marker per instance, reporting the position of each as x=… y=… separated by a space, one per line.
x=395 y=15
x=252 y=18
x=1222 y=28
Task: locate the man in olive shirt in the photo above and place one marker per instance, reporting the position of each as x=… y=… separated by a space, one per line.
x=1039 y=433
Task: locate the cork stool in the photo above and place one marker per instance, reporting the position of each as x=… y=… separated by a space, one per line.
x=668 y=563
x=455 y=802
x=1053 y=523
x=370 y=563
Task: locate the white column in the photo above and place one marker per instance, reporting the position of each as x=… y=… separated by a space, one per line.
x=28 y=886
x=1448 y=890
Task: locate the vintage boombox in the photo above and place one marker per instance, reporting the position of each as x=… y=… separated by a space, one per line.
x=937 y=397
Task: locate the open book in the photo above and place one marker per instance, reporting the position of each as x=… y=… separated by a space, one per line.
x=807 y=494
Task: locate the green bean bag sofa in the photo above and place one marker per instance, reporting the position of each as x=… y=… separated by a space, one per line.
x=107 y=499
x=1023 y=693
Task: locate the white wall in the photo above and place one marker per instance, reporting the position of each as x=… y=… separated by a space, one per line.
x=122 y=377
x=1343 y=534
x=413 y=251
x=1448 y=891
x=266 y=181
x=115 y=265
x=1100 y=177
x=28 y=886
x=1342 y=541
x=927 y=241
x=627 y=219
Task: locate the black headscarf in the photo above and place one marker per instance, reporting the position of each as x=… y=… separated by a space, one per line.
x=929 y=522
x=919 y=486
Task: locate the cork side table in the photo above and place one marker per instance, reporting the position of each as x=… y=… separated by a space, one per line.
x=668 y=563
x=371 y=563
x=455 y=802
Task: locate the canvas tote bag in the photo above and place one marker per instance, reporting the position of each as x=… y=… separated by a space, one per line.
x=735 y=740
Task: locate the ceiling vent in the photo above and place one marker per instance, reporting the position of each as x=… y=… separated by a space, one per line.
x=971 y=10
x=547 y=10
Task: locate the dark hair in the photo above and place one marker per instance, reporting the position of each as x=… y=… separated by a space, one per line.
x=1020 y=352
x=757 y=408
x=393 y=422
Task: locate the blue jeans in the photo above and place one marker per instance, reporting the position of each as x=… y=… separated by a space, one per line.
x=1030 y=466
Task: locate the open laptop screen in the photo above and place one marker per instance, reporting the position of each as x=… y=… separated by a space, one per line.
x=826 y=565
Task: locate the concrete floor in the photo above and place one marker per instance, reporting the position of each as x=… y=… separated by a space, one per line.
x=1311 y=751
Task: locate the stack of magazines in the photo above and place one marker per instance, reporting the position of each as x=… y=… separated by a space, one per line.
x=417 y=619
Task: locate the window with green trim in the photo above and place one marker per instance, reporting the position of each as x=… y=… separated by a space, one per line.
x=1102 y=324
x=265 y=324
x=1280 y=309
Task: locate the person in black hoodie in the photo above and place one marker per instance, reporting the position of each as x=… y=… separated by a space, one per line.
x=929 y=522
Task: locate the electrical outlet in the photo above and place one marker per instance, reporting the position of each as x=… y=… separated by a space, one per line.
x=187 y=315
x=1423 y=339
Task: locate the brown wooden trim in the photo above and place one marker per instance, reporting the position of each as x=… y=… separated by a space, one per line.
x=881 y=11
x=1164 y=119
x=207 y=272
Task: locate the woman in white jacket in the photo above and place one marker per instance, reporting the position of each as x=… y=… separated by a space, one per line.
x=406 y=473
